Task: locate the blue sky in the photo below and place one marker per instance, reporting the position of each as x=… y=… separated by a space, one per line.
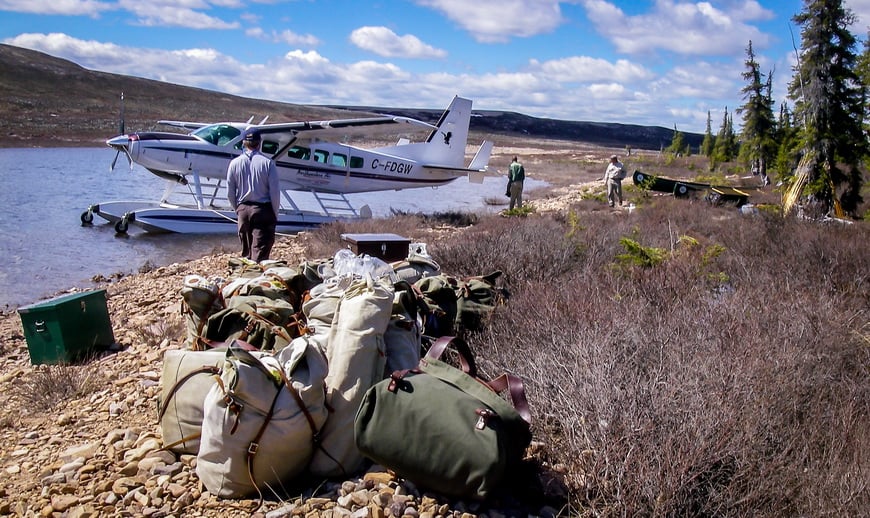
x=663 y=62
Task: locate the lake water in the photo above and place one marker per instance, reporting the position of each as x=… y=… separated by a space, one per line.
x=43 y=193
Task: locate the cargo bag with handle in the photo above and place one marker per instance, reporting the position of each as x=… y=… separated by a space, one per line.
x=187 y=377
x=356 y=357
x=476 y=299
x=268 y=324
x=261 y=419
x=443 y=428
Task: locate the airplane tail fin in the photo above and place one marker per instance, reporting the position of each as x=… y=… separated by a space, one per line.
x=445 y=145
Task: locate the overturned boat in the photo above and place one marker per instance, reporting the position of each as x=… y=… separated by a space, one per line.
x=715 y=194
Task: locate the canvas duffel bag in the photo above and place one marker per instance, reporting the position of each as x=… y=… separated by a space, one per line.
x=404 y=334
x=356 y=357
x=476 y=299
x=186 y=378
x=200 y=298
x=262 y=322
x=439 y=303
x=260 y=420
x=444 y=429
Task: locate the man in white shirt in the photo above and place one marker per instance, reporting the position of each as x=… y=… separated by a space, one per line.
x=613 y=176
x=253 y=192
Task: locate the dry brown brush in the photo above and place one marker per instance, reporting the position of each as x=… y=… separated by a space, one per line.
x=728 y=379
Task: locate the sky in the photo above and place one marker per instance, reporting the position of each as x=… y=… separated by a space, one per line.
x=661 y=63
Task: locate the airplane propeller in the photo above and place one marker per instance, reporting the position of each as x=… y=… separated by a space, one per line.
x=120 y=143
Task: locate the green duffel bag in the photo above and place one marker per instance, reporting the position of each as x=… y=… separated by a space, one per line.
x=476 y=299
x=266 y=324
x=444 y=429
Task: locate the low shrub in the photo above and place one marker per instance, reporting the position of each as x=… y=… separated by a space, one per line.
x=51 y=386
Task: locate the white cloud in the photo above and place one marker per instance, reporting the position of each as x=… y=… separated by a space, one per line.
x=384 y=42
x=184 y=13
x=575 y=88
x=286 y=36
x=696 y=28
x=494 y=21
x=861 y=10
x=588 y=69
x=90 y=8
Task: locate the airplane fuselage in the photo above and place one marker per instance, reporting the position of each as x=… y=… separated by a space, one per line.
x=321 y=166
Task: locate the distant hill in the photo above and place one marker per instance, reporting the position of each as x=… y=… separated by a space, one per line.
x=47 y=101
x=511 y=123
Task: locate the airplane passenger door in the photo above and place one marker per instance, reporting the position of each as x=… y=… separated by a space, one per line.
x=341 y=159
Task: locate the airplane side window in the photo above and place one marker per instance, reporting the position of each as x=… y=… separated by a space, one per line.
x=320 y=156
x=356 y=162
x=339 y=160
x=269 y=147
x=299 y=153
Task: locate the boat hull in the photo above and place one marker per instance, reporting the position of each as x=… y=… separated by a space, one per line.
x=716 y=194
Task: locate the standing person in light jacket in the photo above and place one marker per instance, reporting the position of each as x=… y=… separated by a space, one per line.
x=516 y=175
x=254 y=193
x=613 y=177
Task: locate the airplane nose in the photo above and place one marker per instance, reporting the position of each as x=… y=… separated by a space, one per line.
x=119 y=142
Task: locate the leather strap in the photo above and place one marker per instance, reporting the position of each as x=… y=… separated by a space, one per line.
x=255 y=445
x=205 y=369
x=183 y=440
x=514 y=386
x=232 y=343
x=466 y=358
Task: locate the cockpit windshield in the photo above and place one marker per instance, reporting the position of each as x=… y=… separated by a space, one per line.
x=218 y=134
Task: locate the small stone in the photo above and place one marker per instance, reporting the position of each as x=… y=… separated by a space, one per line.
x=130 y=469
x=170 y=470
x=61 y=503
x=381 y=477
x=85 y=451
x=123 y=485
x=176 y=490
x=71 y=467
x=360 y=498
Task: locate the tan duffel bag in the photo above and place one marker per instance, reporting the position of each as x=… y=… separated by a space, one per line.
x=186 y=378
x=260 y=420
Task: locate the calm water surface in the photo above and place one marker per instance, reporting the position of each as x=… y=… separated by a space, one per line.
x=44 y=191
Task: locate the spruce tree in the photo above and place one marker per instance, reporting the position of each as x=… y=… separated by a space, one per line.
x=707 y=143
x=829 y=103
x=758 y=146
x=678 y=143
x=788 y=145
x=723 y=149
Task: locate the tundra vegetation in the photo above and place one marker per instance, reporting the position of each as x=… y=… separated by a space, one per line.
x=685 y=360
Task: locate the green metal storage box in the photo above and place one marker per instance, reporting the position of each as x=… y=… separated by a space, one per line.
x=66 y=328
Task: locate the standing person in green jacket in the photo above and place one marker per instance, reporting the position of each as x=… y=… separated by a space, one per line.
x=516 y=175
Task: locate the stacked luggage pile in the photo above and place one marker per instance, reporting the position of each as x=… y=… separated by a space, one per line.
x=279 y=359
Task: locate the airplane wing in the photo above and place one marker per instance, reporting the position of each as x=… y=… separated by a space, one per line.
x=331 y=129
x=183 y=124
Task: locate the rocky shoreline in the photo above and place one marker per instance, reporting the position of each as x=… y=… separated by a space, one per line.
x=100 y=454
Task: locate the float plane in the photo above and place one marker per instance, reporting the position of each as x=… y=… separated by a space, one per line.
x=310 y=156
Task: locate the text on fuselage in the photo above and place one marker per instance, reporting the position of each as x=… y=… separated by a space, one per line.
x=392 y=167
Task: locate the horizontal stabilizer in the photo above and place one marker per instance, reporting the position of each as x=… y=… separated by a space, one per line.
x=481 y=158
